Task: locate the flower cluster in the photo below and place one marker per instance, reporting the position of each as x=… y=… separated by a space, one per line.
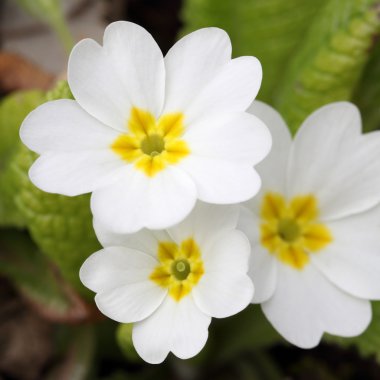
x=196 y=217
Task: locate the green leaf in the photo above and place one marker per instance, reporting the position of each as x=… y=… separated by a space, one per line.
x=60 y=91
x=13 y=109
x=368 y=343
x=330 y=62
x=271 y=30
x=37 y=279
x=61 y=226
x=367 y=94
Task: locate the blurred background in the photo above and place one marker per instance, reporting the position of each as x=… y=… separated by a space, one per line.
x=312 y=52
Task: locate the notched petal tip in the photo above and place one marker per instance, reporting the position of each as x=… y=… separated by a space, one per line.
x=216 y=34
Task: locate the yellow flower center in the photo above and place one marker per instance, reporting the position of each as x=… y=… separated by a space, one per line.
x=152 y=144
x=291 y=230
x=180 y=268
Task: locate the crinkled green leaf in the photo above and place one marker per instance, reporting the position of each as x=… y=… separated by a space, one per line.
x=367 y=94
x=13 y=109
x=61 y=226
x=330 y=62
x=271 y=30
x=368 y=343
x=33 y=275
x=60 y=91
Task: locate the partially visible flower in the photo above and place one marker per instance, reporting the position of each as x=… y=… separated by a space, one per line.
x=147 y=135
x=314 y=226
x=171 y=282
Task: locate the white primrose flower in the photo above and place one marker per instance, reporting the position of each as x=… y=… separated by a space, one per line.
x=148 y=135
x=314 y=227
x=170 y=283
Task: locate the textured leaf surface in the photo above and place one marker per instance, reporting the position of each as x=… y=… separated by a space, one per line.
x=271 y=30
x=367 y=94
x=39 y=282
x=13 y=109
x=332 y=58
x=61 y=226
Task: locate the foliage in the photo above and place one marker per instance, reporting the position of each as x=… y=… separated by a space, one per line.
x=312 y=52
x=61 y=226
x=13 y=110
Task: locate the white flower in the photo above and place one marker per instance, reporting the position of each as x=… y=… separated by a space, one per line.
x=314 y=227
x=171 y=282
x=148 y=135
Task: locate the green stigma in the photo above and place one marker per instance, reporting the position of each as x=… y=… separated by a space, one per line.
x=153 y=145
x=180 y=269
x=288 y=229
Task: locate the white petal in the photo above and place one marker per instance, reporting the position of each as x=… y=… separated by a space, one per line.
x=74 y=173
x=113 y=267
x=225 y=289
x=249 y=223
x=63 y=126
x=191 y=63
x=145 y=240
x=179 y=327
x=220 y=295
x=130 y=303
x=120 y=276
x=354 y=183
x=138 y=201
x=139 y=62
x=273 y=169
x=263 y=266
x=222 y=181
x=232 y=89
x=332 y=160
x=237 y=136
x=205 y=221
x=352 y=260
x=318 y=145
x=96 y=86
x=229 y=253
x=128 y=71
x=305 y=305
x=263 y=272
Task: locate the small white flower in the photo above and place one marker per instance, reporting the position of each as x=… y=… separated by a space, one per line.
x=171 y=282
x=148 y=135
x=314 y=227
